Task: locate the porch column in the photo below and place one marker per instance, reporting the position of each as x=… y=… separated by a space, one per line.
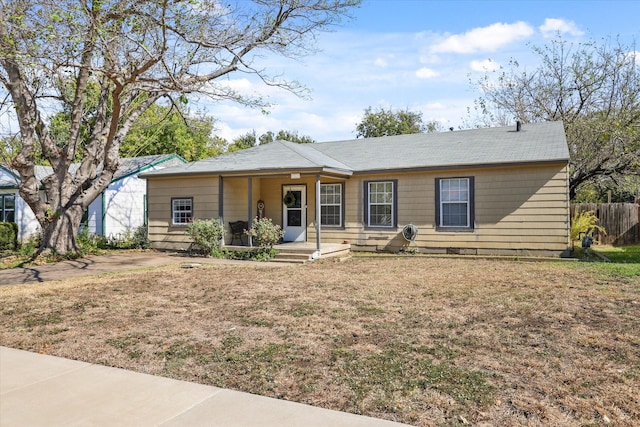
x=318 y=215
x=250 y=201
x=221 y=204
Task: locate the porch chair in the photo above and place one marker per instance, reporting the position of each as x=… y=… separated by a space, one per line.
x=237 y=230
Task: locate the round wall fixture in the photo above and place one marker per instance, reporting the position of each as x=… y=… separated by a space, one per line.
x=409 y=232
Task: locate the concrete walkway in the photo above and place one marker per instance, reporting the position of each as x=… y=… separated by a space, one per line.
x=99 y=264
x=39 y=390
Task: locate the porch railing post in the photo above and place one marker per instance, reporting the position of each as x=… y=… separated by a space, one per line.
x=250 y=202
x=318 y=215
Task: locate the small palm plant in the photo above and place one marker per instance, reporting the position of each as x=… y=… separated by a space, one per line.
x=584 y=224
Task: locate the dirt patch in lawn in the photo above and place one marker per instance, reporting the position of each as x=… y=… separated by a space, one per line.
x=418 y=340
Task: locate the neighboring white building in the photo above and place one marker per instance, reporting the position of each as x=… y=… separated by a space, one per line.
x=119 y=209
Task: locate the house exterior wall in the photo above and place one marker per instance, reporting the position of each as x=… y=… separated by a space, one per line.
x=95 y=216
x=521 y=210
x=162 y=233
x=122 y=205
x=120 y=209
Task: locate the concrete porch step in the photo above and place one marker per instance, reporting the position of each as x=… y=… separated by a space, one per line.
x=292 y=257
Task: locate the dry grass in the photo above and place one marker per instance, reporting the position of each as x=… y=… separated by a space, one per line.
x=417 y=340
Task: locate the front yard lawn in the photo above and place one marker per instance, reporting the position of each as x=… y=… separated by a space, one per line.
x=425 y=341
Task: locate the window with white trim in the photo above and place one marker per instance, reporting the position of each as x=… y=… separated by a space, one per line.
x=454 y=204
x=331 y=205
x=182 y=210
x=380 y=203
x=8 y=207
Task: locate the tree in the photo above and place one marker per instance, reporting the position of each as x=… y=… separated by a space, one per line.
x=243 y=142
x=251 y=139
x=285 y=135
x=164 y=130
x=133 y=53
x=386 y=123
x=594 y=89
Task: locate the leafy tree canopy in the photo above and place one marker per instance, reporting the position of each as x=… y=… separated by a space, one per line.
x=593 y=88
x=387 y=123
x=165 y=130
x=251 y=139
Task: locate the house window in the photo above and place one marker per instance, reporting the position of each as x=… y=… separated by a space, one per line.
x=331 y=205
x=8 y=207
x=454 y=204
x=182 y=210
x=381 y=203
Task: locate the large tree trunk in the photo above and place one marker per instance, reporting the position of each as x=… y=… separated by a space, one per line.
x=60 y=234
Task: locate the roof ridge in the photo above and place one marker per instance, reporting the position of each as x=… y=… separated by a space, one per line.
x=300 y=148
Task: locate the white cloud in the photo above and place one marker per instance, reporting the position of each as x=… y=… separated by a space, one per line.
x=553 y=26
x=426 y=73
x=381 y=62
x=486 y=65
x=484 y=39
x=430 y=59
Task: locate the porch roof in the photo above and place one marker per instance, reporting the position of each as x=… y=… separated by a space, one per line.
x=534 y=143
x=277 y=157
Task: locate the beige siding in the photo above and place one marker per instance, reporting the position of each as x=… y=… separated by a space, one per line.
x=162 y=233
x=521 y=210
x=517 y=210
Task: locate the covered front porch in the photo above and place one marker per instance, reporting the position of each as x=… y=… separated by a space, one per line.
x=292 y=201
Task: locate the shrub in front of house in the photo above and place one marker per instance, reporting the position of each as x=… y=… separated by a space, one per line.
x=8 y=236
x=206 y=235
x=265 y=233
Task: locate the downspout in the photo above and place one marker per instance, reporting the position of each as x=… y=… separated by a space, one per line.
x=104 y=213
x=317 y=253
x=221 y=204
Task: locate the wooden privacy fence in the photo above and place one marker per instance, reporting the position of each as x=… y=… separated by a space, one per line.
x=621 y=220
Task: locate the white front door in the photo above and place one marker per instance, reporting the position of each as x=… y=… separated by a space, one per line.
x=294 y=213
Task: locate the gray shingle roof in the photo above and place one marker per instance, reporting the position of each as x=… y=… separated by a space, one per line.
x=535 y=143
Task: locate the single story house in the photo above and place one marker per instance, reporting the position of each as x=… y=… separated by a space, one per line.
x=500 y=190
x=121 y=207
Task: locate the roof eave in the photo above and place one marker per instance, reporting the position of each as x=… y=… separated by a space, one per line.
x=462 y=166
x=251 y=172
x=149 y=166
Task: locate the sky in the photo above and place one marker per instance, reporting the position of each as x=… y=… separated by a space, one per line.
x=417 y=55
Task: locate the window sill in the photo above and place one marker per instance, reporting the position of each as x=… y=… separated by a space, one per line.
x=455 y=229
x=382 y=229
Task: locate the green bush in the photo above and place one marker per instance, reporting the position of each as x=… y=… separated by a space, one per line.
x=29 y=247
x=265 y=233
x=8 y=235
x=140 y=238
x=206 y=234
x=88 y=242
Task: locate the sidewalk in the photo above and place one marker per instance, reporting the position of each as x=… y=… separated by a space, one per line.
x=39 y=390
